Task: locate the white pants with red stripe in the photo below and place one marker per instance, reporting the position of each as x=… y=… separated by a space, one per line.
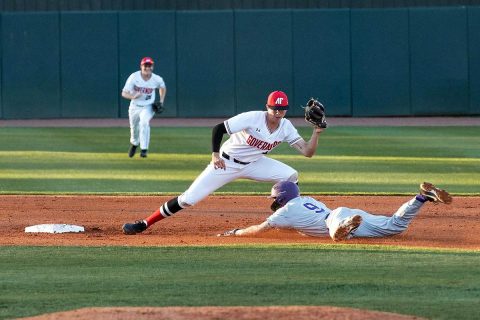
x=140 y=124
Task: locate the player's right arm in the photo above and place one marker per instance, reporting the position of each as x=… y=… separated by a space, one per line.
x=127 y=91
x=252 y=230
x=279 y=219
x=129 y=96
x=217 y=135
x=230 y=126
x=249 y=231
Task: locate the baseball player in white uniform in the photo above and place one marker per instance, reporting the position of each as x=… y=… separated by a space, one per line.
x=313 y=218
x=253 y=135
x=140 y=89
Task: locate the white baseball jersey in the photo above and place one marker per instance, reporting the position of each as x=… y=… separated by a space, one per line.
x=304 y=214
x=250 y=137
x=135 y=83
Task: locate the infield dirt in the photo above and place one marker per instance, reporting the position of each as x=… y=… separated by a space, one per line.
x=439 y=226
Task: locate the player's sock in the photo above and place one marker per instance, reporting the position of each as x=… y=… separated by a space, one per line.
x=154 y=217
x=170 y=207
x=166 y=210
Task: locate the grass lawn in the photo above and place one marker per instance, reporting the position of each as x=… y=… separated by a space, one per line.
x=365 y=160
x=436 y=284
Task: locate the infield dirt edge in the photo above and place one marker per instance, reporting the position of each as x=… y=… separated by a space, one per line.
x=211 y=313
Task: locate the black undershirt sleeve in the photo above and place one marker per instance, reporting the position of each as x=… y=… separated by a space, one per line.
x=217 y=135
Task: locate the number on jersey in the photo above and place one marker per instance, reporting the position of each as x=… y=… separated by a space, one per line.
x=311 y=206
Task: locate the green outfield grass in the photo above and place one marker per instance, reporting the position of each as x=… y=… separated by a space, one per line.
x=364 y=160
x=439 y=284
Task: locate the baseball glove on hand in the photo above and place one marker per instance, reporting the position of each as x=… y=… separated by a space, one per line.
x=158 y=107
x=315 y=113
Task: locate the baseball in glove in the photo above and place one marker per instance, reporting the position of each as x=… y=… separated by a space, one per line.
x=158 y=107
x=315 y=113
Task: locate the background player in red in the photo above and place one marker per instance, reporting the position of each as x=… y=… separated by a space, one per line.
x=140 y=89
x=252 y=136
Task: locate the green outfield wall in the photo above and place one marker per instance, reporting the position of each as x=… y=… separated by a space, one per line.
x=83 y=5
x=217 y=63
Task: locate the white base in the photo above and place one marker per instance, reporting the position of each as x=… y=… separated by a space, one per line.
x=54 y=228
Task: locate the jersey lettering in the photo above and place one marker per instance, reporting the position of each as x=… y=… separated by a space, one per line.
x=260 y=144
x=311 y=206
x=143 y=90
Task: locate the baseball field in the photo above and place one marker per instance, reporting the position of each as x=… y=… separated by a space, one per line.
x=179 y=269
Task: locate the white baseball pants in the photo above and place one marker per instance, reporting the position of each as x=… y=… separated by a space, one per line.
x=376 y=225
x=264 y=169
x=140 y=124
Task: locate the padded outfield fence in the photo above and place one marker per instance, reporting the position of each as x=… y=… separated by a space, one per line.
x=359 y=62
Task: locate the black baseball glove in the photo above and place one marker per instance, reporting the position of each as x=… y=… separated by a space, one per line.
x=315 y=113
x=158 y=107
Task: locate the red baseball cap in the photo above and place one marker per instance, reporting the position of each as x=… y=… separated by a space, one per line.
x=146 y=60
x=277 y=100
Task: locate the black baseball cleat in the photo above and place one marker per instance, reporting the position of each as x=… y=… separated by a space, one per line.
x=132 y=150
x=134 y=228
x=143 y=153
x=434 y=194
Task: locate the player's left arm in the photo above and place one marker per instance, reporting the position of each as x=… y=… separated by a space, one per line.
x=249 y=231
x=162 y=92
x=308 y=148
x=162 y=89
